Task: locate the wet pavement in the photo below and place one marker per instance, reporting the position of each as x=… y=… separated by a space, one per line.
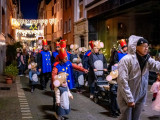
x=18 y=103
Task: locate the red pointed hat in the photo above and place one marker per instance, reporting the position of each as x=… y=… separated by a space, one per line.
x=44 y=42
x=57 y=44
x=91 y=43
x=62 y=53
x=123 y=43
x=63 y=43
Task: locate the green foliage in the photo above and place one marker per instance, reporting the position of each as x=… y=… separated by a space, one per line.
x=11 y=70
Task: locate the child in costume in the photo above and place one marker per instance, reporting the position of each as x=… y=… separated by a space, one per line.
x=122 y=51
x=62 y=94
x=55 y=53
x=156 y=94
x=155 y=87
x=97 y=65
x=111 y=78
x=78 y=76
x=33 y=76
x=64 y=65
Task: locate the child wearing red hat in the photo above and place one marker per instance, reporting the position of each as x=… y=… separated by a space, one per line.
x=64 y=65
x=122 y=51
x=55 y=53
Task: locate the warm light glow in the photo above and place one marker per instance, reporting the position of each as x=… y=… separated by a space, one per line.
x=2 y=43
x=31 y=32
x=14 y=23
x=19 y=22
x=28 y=39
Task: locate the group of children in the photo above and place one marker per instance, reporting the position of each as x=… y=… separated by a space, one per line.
x=68 y=72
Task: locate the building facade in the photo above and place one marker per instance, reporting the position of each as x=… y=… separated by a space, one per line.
x=57 y=27
x=68 y=21
x=80 y=23
x=45 y=12
x=8 y=9
x=112 y=20
x=48 y=10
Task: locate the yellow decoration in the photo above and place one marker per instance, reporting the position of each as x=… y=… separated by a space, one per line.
x=68 y=80
x=63 y=69
x=33 y=28
x=66 y=68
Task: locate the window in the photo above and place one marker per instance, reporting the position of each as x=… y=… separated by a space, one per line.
x=55 y=8
x=65 y=4
x=52 y=10
x=55 y=1
x=3 y=20
x=70 y=3
x=81 y=11
x=69 y=25
x=53 y=28
x=82 y=41
x=65 y=27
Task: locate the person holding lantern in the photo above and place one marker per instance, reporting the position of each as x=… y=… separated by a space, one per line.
x=44 y=64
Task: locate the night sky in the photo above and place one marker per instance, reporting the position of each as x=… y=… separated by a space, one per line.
x=29 y=9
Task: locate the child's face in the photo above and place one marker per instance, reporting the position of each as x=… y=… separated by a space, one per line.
x=76 y=51
x=96 y=50
x=64 y=84
x=34 y=69
x=158 y=77
x=65 y=60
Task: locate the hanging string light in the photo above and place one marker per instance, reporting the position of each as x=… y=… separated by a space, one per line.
x=28 y=39
x=31 y=32
x=32 y=21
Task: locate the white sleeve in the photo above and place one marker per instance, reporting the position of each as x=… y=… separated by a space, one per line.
x=57 y=95
x=69 y=93
x=154 y=65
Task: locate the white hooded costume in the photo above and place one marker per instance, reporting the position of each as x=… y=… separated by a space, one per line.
x=132 y=83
